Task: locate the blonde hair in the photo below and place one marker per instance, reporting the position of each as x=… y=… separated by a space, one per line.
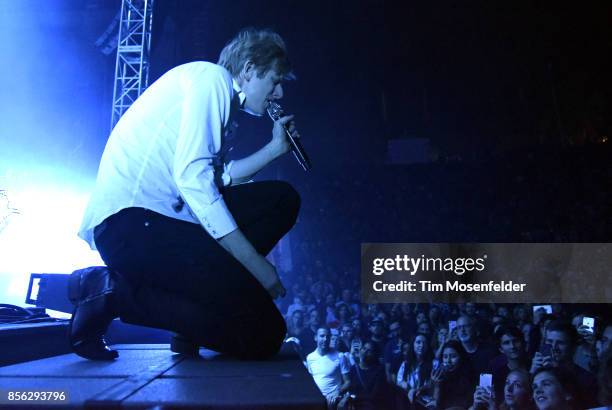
x=265 y=48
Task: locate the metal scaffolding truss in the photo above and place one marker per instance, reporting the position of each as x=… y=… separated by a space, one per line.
x=133 y=49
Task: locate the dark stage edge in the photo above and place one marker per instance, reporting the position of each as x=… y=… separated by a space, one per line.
x=151 y=376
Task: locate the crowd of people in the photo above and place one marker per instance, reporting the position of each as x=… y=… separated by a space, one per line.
x=507 y=198
x=448 y=356
x=416 y=356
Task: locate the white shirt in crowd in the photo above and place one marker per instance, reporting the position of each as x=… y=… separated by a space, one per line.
x=160 y=154
x=327 y=370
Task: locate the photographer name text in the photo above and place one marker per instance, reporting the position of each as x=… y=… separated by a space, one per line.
x=448 y=286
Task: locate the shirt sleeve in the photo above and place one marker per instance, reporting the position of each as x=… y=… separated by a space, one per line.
x=205 y=112
x=309 y=364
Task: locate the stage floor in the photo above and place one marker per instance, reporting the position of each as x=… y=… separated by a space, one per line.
x=151 y=376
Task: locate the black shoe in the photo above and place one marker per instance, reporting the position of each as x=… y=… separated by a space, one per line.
x=91 y=291
x=180 y=344
x=94 y=349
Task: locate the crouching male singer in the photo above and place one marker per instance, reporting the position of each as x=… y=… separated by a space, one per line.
x=183 y=239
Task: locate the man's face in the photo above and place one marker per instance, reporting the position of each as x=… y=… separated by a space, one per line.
x=395 y=330
x=561 y=346
x=366 y=354
x=347 y=332
x=424 y=328
x=298 y=318
x=376 y=328
x=470 y=308
x=323 y=339
x=314 y=318
x=356 y=326
x=511 y=346
x=421 y=317
x=465 y=330
x=503 y=312
x=260 y=91
x=333 y=341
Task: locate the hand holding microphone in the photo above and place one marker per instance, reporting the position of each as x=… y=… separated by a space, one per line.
x=279 y=133
x=276 y=114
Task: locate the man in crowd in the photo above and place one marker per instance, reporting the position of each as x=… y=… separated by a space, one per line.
x=368 y=380
x=392 y=355
x=347 y=298
x=329 y=369
x=323 y=287
x=298 y=329
x=298 y=304
x=510 y=343
x=479 y=353
x=561 y=340
x=307 y=338
x=469 y=309
x=346 y=338
x=358 y=332
x=377 y=333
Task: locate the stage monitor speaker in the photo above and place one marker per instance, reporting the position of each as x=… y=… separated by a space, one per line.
x=50 y=291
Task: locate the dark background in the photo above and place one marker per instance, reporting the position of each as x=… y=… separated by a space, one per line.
x=514 y=99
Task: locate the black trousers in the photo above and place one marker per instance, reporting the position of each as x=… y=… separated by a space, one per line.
x=172 y=275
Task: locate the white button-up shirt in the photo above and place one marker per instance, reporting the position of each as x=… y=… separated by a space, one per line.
x=160 y=154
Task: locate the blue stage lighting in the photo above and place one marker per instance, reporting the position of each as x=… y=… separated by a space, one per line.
x=41 y=237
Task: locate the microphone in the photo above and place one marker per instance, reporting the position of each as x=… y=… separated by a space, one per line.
x=275 y=111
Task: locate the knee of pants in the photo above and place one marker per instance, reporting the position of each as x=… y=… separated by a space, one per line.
x=266 y=341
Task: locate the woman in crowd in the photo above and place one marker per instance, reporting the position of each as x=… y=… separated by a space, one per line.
x=413 y=376
x=453 y=381
x=517 y=394
x=517 y=391
x=551 y=390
